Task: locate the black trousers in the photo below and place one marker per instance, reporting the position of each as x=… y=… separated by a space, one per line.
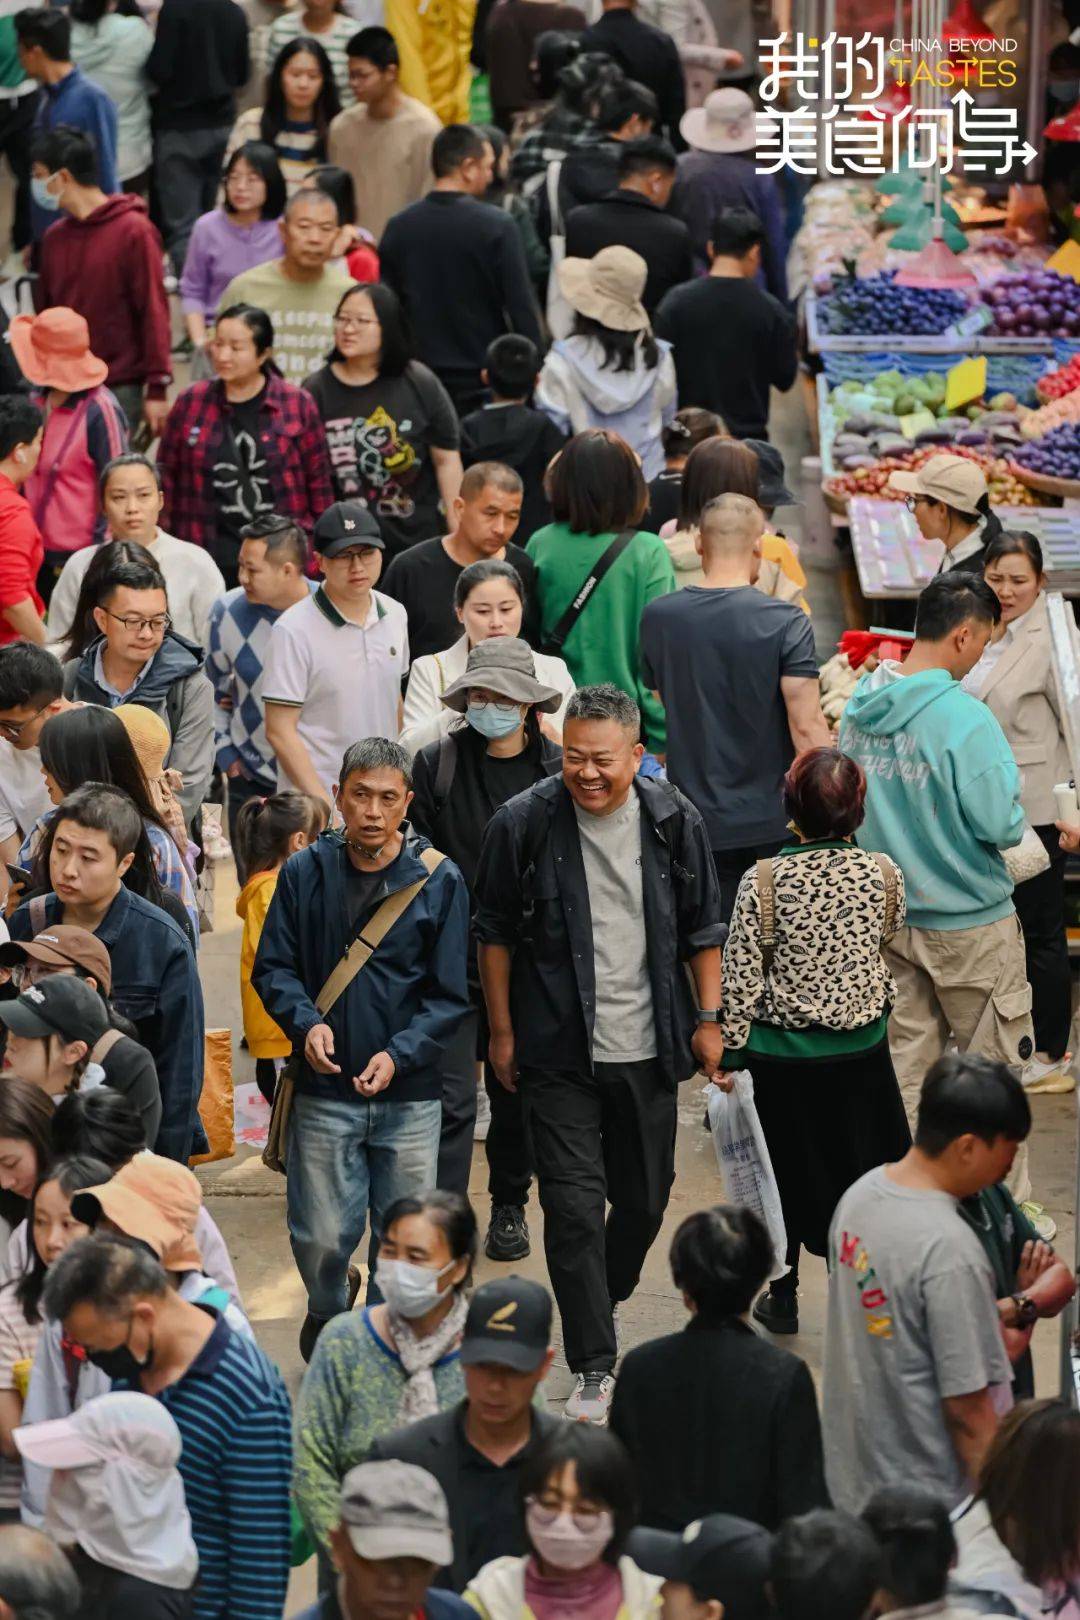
x=1040 y=905
x=16 y=126
x=508 y=1156
x=458 y=1109
x=730 y=865
x=601 y=1138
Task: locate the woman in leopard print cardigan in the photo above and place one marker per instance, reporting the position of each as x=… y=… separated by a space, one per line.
x=806 y=1007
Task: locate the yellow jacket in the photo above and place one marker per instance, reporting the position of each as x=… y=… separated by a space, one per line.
x=264 y=1038
x=434 y=38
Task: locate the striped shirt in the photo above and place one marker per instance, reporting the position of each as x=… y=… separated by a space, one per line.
x=291 y=26
x=233 y=1413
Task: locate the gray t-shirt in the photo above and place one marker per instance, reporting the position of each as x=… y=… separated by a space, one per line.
x=623 y=1030
x=912 y=1320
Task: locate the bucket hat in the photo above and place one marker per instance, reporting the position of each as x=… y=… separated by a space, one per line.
x=607 y=288
x=53 y=350
x=502 y=664
x=725 y=123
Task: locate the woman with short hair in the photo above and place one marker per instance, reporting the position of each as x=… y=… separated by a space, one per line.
x=807 y=995
x=716 y=1419
x=598 y=499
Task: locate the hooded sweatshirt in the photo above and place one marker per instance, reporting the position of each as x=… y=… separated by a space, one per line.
x=578 y=391
x=513 y=433
x=108 y=266
x=943 y=793
x=174 y=685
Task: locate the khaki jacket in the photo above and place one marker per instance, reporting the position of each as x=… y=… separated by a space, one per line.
x=1020 y=692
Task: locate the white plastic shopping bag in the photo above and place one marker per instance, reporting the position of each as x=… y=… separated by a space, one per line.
x=743 y=1157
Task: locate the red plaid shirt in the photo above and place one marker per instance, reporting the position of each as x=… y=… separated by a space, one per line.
x=292 y=436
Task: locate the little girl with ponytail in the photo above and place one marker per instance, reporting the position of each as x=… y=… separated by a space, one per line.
x=268 y=831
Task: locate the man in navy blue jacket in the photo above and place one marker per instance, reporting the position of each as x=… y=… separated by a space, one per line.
x=155 y=983
x=365 y=1120
x=69 y=98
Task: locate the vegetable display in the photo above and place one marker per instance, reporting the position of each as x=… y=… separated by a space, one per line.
x=868 y=419
x=1005 y=488
x=1036 y=303
x=870 y=305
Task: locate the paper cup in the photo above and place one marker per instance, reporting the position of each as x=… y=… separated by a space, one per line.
x=1068 y=810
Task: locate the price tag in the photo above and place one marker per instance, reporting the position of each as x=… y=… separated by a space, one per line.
x=1066 y=260
x=965 y=382
x=916 y=422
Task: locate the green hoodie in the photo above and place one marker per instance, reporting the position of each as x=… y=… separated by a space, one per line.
x=942 y=795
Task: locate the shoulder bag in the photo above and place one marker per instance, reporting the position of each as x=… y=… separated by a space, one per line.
x=554 y=642
x=766 y=889
x=357 y=955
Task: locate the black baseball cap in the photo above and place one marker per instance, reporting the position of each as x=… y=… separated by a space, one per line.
x=346 y=524
x=508 y=1325
x=720 y=1557
x=59 y=1005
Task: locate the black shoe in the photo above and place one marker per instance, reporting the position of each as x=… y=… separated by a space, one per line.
x=777 y=1311
x=309 y=1334
x=508 y=1234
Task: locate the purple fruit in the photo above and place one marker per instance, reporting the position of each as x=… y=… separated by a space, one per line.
x=1005 y=320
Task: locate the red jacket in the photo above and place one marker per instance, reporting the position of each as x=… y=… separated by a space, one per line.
x=21 y=555
x=109 y=267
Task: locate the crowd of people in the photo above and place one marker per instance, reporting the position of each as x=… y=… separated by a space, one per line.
x=446 y=599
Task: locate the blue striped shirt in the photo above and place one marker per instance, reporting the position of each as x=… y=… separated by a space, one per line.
x=233 y=1413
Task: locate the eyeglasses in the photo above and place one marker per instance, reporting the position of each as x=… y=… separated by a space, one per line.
x=12 y=730
x=584 y=1517
x=912 y=501
x=353 y=323
x=158 y=624
x=505 y=704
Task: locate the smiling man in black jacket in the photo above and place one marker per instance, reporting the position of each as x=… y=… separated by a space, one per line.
x=595 y=891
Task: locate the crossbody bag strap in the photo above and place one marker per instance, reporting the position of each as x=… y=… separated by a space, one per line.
x=361 y=949
x=888 y=874
x=555 y=641
x=766 y=889
x=101 y=1049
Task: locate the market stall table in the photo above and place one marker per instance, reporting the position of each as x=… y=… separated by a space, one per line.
x=895 y=562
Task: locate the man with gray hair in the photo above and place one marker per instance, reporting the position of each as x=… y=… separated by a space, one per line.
x=36 y=1580
x=738 y=677
x=595 y=891
x=362 y=963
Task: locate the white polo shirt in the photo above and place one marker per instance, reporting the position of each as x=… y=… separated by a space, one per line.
x=23 y=794
x=344 y=677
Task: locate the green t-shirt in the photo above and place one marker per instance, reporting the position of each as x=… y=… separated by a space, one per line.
x=603 y=645
x=302 y=313
x=1002 y=1228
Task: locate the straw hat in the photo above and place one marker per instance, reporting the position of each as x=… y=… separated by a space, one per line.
x=150 y=736
x=726 y=123
x=502 y=664
x=607 y=288
x=53 y=350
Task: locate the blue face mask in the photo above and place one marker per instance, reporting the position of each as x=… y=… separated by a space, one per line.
x=42 y=196
x=491 y=721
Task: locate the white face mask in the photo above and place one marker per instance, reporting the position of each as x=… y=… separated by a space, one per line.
x=410 y=1291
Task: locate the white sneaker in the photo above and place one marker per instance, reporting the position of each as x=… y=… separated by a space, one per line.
x=483 y=1115
x=1048 y=1078
x=1044 y=1224
x=590 y=1400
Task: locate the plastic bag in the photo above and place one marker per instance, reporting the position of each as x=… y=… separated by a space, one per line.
x=743 y=1157
x=216 y=1102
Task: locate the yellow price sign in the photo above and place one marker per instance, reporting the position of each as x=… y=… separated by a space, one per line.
x=965 y=382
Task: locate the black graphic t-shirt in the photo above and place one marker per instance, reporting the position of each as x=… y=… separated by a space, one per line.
x=380 y=437
x=242 y=488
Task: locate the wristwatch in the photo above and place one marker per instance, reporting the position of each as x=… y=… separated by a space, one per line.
x=1027 y=1312
x=709 y=1015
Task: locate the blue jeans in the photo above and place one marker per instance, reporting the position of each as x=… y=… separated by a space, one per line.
x=343 y=1158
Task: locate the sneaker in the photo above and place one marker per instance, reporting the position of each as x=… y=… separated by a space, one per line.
x=777 y=1311
x=590 y=1400
x=508 y=1235
x=483 y=1115
x=1040 y=1220
x=1048 y=1078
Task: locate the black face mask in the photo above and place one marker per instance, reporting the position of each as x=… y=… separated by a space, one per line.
x=121 y=1362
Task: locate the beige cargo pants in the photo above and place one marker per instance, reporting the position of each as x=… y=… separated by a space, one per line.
x=967 y=983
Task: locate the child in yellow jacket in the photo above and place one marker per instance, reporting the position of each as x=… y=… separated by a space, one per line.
x=268 y=831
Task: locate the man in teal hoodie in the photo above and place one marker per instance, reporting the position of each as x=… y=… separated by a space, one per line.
x=943 y=799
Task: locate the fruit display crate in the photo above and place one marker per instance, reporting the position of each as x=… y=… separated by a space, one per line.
x=822 y=342
x=895 y=562
x=1005 y=373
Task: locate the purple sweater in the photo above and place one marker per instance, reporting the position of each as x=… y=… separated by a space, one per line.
x=217 y=252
